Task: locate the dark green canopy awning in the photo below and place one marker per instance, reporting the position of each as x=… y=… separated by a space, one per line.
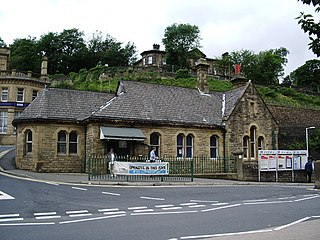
x=121 y=133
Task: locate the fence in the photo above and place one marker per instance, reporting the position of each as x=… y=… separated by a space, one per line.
x=180 y=169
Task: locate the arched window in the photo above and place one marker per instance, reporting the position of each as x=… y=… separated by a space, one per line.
x=62 y=142
x=261 y=143
x=180 y=145
x=155 y=142
x=28 y=143
x=214 y=147
x=73 y=143
x=245 y=147
x=252 y=142
x=189 y=146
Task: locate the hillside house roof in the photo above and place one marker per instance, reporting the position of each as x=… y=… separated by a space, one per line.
x=135 y=101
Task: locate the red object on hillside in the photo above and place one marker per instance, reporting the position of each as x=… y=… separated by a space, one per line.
x=237 y=68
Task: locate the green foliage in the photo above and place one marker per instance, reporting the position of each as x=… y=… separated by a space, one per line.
x=307 y=75
x=182 y=73
x=178 y=41
x=263 y=68
x=309 y=26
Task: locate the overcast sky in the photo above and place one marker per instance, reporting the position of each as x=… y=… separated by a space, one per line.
x=225 y=25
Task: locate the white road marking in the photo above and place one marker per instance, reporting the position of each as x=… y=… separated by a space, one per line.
x=118 y=212
x=10 y=219
x=80 y=215
x=204 y=201
x=47 y=217
x=152 y=198
x=196 y=206
x=4 y=196
x=45 y=213
x=10 y=215
x=307 y=198
x=108 y=209
x=290 y=224
x=52 y=183
x=283 y=198
x=271 y=202
x=165 y=205
x=143 y=210
x=81 y=189
x=219 y=204
x=171 y=208
x=255 y=200
x=75 y=212
x=187 y=204
x=135 y=208
x=110 y=193
x=92 y=219
x=26 y=224
x=161 y=213
x=218 y=208
x=226 y=234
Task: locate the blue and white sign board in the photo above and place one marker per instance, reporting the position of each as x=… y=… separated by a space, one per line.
x=137 y=168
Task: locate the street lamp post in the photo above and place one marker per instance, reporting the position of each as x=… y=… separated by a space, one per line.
x=307 y=139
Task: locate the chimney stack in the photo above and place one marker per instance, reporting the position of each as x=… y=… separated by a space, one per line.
x=44 y=68
x=202 y=69
x=238 y=79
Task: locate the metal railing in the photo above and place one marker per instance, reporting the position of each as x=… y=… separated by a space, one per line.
x=180 y=169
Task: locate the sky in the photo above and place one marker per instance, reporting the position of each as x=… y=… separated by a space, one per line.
x=225 y=26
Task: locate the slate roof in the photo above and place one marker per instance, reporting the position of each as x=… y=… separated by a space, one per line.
x=167 y=104
x=135 y=101
x=63 y=104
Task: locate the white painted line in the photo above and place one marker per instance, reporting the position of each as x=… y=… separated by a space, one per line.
x=218 y=208
x=310 y=195
x=204 y=201
x=283 y=198
x=10 y=219
x=75 y=212
x=135 y=208
x=118 y=212
x=307 y=198
x=27 y=224
x=226 y=234
x=271 y=202
x=4 y=196
x=255 y=200
x=110 y=193
x=92 y=219
x=45 y=214
x=81 y=189
x=152 y=198
x=315 y=216
x=143 y=210
x=47 y=217
x=108 y=209
x=161 y=213
x=171 y=208
x=197 y=206
x=290 y=224
x=187 y=204
x=219 y=204
x=52 y=183
x=80 y=215
x=10 y=215
x=165 y=205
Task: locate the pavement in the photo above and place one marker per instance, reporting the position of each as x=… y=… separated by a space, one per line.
x=303 y=229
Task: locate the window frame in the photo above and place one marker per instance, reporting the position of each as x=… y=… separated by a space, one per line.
x=245 y=147
x=155 y=144
x=28 y=142
x=20 y=95
x=62 y=144
x=214 y=147
x=180 y=145
x=3 y=122
x=189 y=146
x=73 y=143
x=4 y=92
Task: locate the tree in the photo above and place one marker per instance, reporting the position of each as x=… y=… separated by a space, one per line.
x=24 y=55
x=2 y=43
x=308 y=75
x=178 y=41
x=309 y=26
x=263 y=68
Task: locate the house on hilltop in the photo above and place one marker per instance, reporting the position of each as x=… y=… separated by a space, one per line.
x=61 y=127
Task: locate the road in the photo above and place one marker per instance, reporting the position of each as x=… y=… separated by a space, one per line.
x=45 y=210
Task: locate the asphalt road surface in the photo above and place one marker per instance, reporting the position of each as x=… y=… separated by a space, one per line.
x=46 y=210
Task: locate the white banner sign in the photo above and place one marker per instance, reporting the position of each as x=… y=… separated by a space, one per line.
x=135 y=168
